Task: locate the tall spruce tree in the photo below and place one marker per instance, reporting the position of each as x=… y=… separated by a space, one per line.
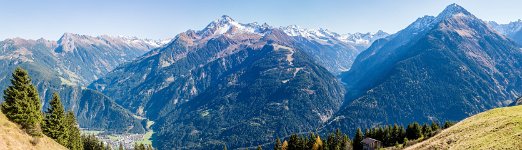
x=75 y=140
x=22 y=104
x=54 y=125
x=435 y=126
x=90 y=142
x=278 y=145
x=358 y=139
x=318 y=144
x=414 y=131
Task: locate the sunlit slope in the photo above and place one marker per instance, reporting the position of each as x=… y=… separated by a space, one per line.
x=13 y=138
x=499 y=128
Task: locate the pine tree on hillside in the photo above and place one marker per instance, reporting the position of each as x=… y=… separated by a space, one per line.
x=54 y=125
x=278 y=145
x=22 y=104
x=435 y=126
x=426 y=130
x=448 y=124
x=90 y=142
x=75 y=140
x=414 y=131
x=358 y=139
x=294 y=142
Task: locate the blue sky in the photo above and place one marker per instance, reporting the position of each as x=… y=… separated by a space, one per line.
x=166 y=18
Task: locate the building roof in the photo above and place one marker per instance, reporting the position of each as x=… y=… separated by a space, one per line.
x=369 y=140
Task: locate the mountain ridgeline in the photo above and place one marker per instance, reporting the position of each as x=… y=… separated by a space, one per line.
x=226 y=82
x=439 y=68
x=66 y=65
x=244 y=85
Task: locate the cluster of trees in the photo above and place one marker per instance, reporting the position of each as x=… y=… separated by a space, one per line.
x=334 y=141
x=393 y=135
x=389 y=135
x=141 y=147
x=61 y=126
x=22 y=105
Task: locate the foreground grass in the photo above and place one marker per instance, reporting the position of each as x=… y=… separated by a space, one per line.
x=499 y=128
x=12 y=137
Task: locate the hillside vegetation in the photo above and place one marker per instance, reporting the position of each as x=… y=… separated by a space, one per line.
x=499 y=128
x=13 y=138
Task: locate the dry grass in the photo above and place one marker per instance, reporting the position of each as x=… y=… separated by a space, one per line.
x=13 y=138
x=499 y=128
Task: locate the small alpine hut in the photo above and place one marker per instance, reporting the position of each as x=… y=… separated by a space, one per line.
x=370 y=144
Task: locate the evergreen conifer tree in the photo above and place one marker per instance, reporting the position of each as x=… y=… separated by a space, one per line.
x=54 y=125
x=318 y=144
x=426 y=130
x=358 y=139
x=435 y=126
x=414 y=131
x=75 y=140
x=22 y=104
x=278 y=145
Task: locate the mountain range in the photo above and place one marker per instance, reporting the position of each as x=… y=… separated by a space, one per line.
x=194 y=86
x=243 y=85
x=67 y=65
x=439 y=68
x=513 y=30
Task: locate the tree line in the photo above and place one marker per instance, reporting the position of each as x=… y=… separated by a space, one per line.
x=22 y=106
x=389 y=135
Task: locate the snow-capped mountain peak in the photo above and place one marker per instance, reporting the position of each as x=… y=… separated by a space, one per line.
x=325 y=35
x=69 y=41
x=294 y=30
x=226 y=24
x=453 y=10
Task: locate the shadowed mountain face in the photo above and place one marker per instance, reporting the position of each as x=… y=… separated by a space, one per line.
x=67 y=65
x=227 y=82
x=439 y=68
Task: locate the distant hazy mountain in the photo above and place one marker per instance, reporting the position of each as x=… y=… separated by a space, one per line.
x=226 y=82
x=67 y=64
x=512 y=30
x=439 y=68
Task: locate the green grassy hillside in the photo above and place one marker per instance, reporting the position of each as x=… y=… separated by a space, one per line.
x=499 y=128
x=13 y=138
